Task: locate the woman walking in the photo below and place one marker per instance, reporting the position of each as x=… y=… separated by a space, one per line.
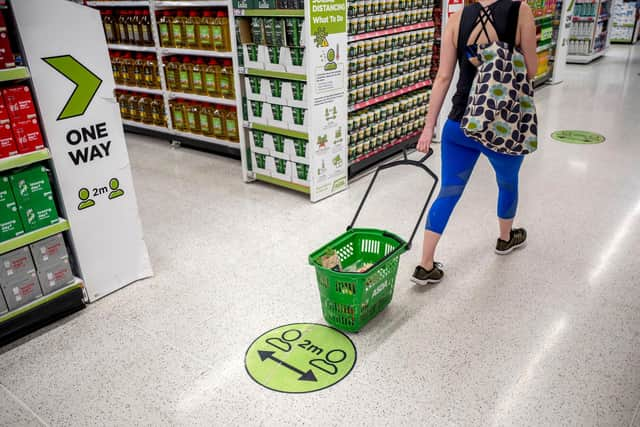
x=477 y=25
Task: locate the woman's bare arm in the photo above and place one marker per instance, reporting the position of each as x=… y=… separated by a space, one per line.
x=442 y=82
x=527 y=36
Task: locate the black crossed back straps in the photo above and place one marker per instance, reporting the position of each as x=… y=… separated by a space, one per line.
x=498 y=21
x=484 y=17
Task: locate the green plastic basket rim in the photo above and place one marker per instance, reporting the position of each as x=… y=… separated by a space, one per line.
x=402 y=247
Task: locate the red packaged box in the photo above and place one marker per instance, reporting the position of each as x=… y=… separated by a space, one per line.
x=7 y=59
x=19 y=102
x=27 y=135
x=7 y=144
x=4 y=114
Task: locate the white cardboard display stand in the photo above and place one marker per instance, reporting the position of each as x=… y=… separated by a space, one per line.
x=106 y=235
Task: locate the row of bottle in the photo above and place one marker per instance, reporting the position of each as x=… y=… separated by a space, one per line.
x=143 y=108
x=196 y=29
x=386 y=44
x=268 y=4
x=542 y=6
x=140 y=70
x=369 y=63
x=360 y=8
x=126 y=26
x=579 y=47
x=389 y=78
x=388 y=73
x=277 y=31
x=399 y=128
x=582 y=29
x=585 y=9
x=368 y=118
x=206 y=119
x=393 y=20
x=193 y=75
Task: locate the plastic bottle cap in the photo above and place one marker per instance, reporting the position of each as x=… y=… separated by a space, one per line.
x=180 y=13
x=174 y=59
x=208 y=13
x=166 y=13
x=186 y=60
x=213 y=62
x=199 y=61
x=227 y=62
x=193 y=13
x=221 y=14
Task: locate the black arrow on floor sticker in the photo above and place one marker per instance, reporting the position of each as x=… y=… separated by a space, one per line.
x=304 y=376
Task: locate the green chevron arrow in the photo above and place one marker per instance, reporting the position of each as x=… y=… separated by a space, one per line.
x=86 y=82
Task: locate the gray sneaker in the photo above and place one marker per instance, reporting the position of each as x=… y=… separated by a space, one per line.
x=424 y=277
x=518 y=239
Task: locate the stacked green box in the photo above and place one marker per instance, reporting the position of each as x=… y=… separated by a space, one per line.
x=33 y=195
x=244 y=4
x=10 y=223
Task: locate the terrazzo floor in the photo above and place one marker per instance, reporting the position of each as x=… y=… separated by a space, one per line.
x=549 y=336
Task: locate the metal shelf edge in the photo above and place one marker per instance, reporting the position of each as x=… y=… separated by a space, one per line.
x=20 y=160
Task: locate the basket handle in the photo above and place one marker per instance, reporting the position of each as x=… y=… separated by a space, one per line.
x=418 y=163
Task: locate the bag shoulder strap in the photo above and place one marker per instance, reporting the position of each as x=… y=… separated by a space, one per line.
x=464 y=31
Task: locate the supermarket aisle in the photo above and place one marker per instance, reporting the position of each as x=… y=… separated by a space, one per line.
x=547 y=336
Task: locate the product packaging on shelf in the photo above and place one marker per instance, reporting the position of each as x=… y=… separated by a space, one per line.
x=3 y=304
x=21 y=290
x=10 y=223
x=56 y=276
x=49 y=252
x=27 y=135
x=7 y=144
x=201 y=118
x=195 y=29
x=24 y=129
x=280 y=168
x=19 y=102
x=259 y=163
x=16 y=264
x=32 y=191
x=7 y=59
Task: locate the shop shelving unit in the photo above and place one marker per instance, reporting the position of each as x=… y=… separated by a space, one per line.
x=625 y=21
x=50 y=307
x=365 y=153
x=90 y=223
x=215 y=145
x=296 y=104
x=590 y=32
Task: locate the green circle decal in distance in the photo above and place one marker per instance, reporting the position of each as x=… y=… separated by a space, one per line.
x=300 y=358
x=578 y=137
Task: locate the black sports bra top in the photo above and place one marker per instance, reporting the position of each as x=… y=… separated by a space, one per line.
x=504 y=15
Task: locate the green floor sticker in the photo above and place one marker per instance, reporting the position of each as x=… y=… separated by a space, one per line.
x=300 y=358
x=578 y=137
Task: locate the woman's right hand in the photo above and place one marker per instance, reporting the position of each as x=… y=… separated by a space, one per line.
x=425 y=139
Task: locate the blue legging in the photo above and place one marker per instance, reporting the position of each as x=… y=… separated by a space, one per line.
x=459 y=156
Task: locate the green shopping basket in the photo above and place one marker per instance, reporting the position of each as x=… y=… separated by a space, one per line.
x=351 y=299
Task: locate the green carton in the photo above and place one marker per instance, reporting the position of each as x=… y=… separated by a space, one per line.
x=34 y=198
x=38 y=214
x=30 y=185
x=10 y=224
x=244 y=4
